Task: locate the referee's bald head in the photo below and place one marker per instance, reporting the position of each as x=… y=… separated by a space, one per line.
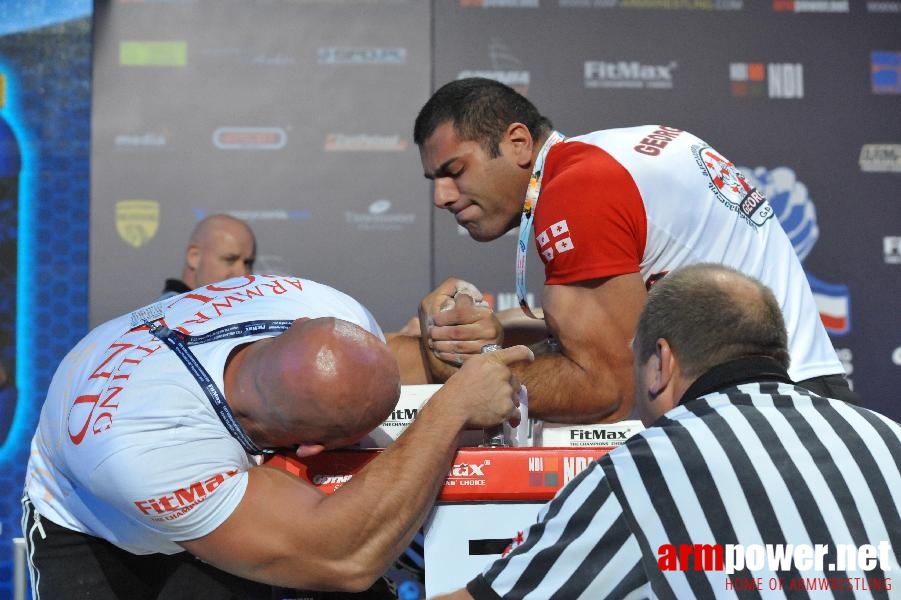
x=711 y=314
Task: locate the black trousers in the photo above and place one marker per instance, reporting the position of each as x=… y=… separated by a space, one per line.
x=67 y=564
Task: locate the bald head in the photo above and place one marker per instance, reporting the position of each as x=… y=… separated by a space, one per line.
x=323 y=381
x=696 y=318
x=711 y=314
x=220 y=247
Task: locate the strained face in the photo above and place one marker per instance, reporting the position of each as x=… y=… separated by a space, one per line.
x=484 y=193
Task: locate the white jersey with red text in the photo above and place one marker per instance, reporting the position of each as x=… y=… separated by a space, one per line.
x=128 y=447
x=650 y=199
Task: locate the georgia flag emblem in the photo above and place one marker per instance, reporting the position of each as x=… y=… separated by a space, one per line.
x=555 y=240
x=517 y=540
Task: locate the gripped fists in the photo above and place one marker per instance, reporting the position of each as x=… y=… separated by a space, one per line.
x=455 y=322
x=485 y=391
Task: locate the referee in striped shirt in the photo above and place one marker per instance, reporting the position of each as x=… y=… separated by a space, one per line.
x=744 y=485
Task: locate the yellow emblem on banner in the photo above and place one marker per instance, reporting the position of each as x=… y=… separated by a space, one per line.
x=137 y=221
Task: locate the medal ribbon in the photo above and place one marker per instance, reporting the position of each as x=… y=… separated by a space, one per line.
x=528 y=215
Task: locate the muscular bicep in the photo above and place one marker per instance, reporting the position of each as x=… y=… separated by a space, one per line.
x=596 y=319
x=593 y=323
x=275 y=535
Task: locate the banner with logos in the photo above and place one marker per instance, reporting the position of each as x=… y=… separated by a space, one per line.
x=296 y=115
x=812 y=124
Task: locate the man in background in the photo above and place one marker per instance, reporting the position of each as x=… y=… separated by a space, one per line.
x=220 y=247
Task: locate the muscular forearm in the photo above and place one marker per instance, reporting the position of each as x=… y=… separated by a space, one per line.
x=562 y=391
x=418 y=364
x=410 y=358
x=344 y=541
x=288 y=533
x=389 y=499
x=393 y=494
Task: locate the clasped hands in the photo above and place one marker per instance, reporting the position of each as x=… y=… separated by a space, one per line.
x=455 y=323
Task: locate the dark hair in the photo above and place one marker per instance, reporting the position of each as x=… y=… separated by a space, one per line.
x=711 y=314
x=481 y=110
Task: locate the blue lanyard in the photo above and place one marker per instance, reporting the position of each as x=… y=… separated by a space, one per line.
x=530 y=204
x=178 y=342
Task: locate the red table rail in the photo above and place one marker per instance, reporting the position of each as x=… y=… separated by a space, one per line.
x=477 y=474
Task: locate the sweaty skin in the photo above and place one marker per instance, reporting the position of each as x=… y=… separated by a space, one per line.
x=587 y=376
x=346 y=540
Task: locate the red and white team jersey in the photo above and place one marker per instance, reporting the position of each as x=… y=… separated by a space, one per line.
x=650 y=199
x=128 y=447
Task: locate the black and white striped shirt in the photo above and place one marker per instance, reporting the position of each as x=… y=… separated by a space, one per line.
x=743 y=460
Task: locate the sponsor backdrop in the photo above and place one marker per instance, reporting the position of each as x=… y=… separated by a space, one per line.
x=299 y=121
x=296 y=115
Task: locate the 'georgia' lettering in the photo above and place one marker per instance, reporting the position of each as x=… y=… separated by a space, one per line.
x=657 y=140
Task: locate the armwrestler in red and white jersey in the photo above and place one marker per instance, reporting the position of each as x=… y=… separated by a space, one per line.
x=617 y=210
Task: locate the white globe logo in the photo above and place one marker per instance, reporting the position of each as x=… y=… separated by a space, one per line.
x=379 y=206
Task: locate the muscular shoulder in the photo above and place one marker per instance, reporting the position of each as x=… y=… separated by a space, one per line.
x=590 y=221
x=578 y=163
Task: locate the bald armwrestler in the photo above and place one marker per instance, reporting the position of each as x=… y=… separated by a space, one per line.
x=134 y=471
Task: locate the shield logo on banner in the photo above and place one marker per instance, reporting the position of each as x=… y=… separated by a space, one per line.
x=137 y=221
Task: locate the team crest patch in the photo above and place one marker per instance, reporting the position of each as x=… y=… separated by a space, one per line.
x=137 y=221
x=555 y=240
x=731 y=187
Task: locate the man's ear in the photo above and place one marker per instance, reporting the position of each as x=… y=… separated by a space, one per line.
x=307 y=450
x=192 y=256
x=664 y=365
x=520 y=142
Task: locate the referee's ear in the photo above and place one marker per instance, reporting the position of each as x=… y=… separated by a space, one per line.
x=655 y=383
x=665 y=364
